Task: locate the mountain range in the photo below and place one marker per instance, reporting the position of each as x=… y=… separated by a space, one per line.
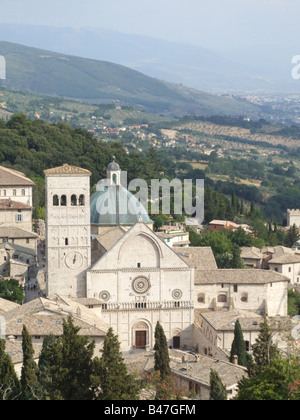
x=255 y=68
x=95 y=81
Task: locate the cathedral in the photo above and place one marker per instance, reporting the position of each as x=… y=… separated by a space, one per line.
x=116 y=258
x=102 y=252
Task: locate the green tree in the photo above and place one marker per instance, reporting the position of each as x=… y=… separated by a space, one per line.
x=161 y=357
x=11 y=290
x=237 y=261
x=217 y=388
x=274 y=383
x=111 y=374
x=29 y=380
x=293 y=236
x=9 y=384
x=67 y=365
x=239 y=346
x=264 y=350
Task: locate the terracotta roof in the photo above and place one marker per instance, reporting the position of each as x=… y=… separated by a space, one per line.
x=225 y=320
x=198 y=372
x=238 y=277
x=251 y=253
x=110 y=237
x=43 y=317
x=13 y=205
x=200 y=258
x=285 y=259
x=67 y=170
x=9 y=177
x=6 y=306
x=16 y=233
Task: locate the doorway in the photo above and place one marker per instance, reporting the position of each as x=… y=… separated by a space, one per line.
x=140 y=340
x=176 y=343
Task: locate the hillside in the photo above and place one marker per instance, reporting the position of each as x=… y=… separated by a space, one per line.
x=95 y=81
x=262 y=68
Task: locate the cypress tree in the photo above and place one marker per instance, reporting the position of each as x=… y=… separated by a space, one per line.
x=162 y=358
x=218 y=390
x=237 y=261
x=29 y=380
x=69 y=361
x=111 y=373
x=9 y=383
x=264 y=350
x=239 y=346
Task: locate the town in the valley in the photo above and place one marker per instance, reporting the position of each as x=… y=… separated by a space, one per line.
x=113 y=270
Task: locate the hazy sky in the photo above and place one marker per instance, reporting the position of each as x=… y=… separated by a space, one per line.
x=208 y=23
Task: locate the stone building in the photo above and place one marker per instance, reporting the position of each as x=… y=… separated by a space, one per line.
x=115 y=257
x=293 y=217
x=15 y=186
x=259 y=291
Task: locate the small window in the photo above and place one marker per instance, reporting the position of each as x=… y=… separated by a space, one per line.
x=27 y=240
x=177 y=304
x=222 y=298
x=66 y=241
x=139 y=265
x=236 y=288
x=74 y=200
x=19 y=218
x=14 y=193
x=201 y=298
x=63 y=201
x=82 y=200
x=244 y=298
x=55 y=201
x=23 y=193
x=290 y=269
x=4 y=193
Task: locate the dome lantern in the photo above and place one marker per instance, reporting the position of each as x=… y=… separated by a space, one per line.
x=114 y=172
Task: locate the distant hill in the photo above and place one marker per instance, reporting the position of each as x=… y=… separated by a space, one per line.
x=260 y=68
x=49 y=73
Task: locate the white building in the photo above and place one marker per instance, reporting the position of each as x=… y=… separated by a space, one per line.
x=114 y=256
x=287 y=265
x=15 y=186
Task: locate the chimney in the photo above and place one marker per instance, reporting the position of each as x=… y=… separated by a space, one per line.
x=235 y=360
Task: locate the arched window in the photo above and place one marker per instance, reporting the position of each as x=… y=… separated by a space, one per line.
x=114 y=178
x=63 y=201
x=82 y=200
x=66 y=242
x=74 y=200
x=55 y=200
x=23 y=193
x=14 y=193
x=222 y=298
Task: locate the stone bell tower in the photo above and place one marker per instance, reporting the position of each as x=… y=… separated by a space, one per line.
x=68 y=236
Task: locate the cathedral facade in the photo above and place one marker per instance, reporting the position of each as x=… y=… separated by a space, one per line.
x=116 y=258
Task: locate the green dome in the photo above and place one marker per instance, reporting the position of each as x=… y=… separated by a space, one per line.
x=117 y=206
